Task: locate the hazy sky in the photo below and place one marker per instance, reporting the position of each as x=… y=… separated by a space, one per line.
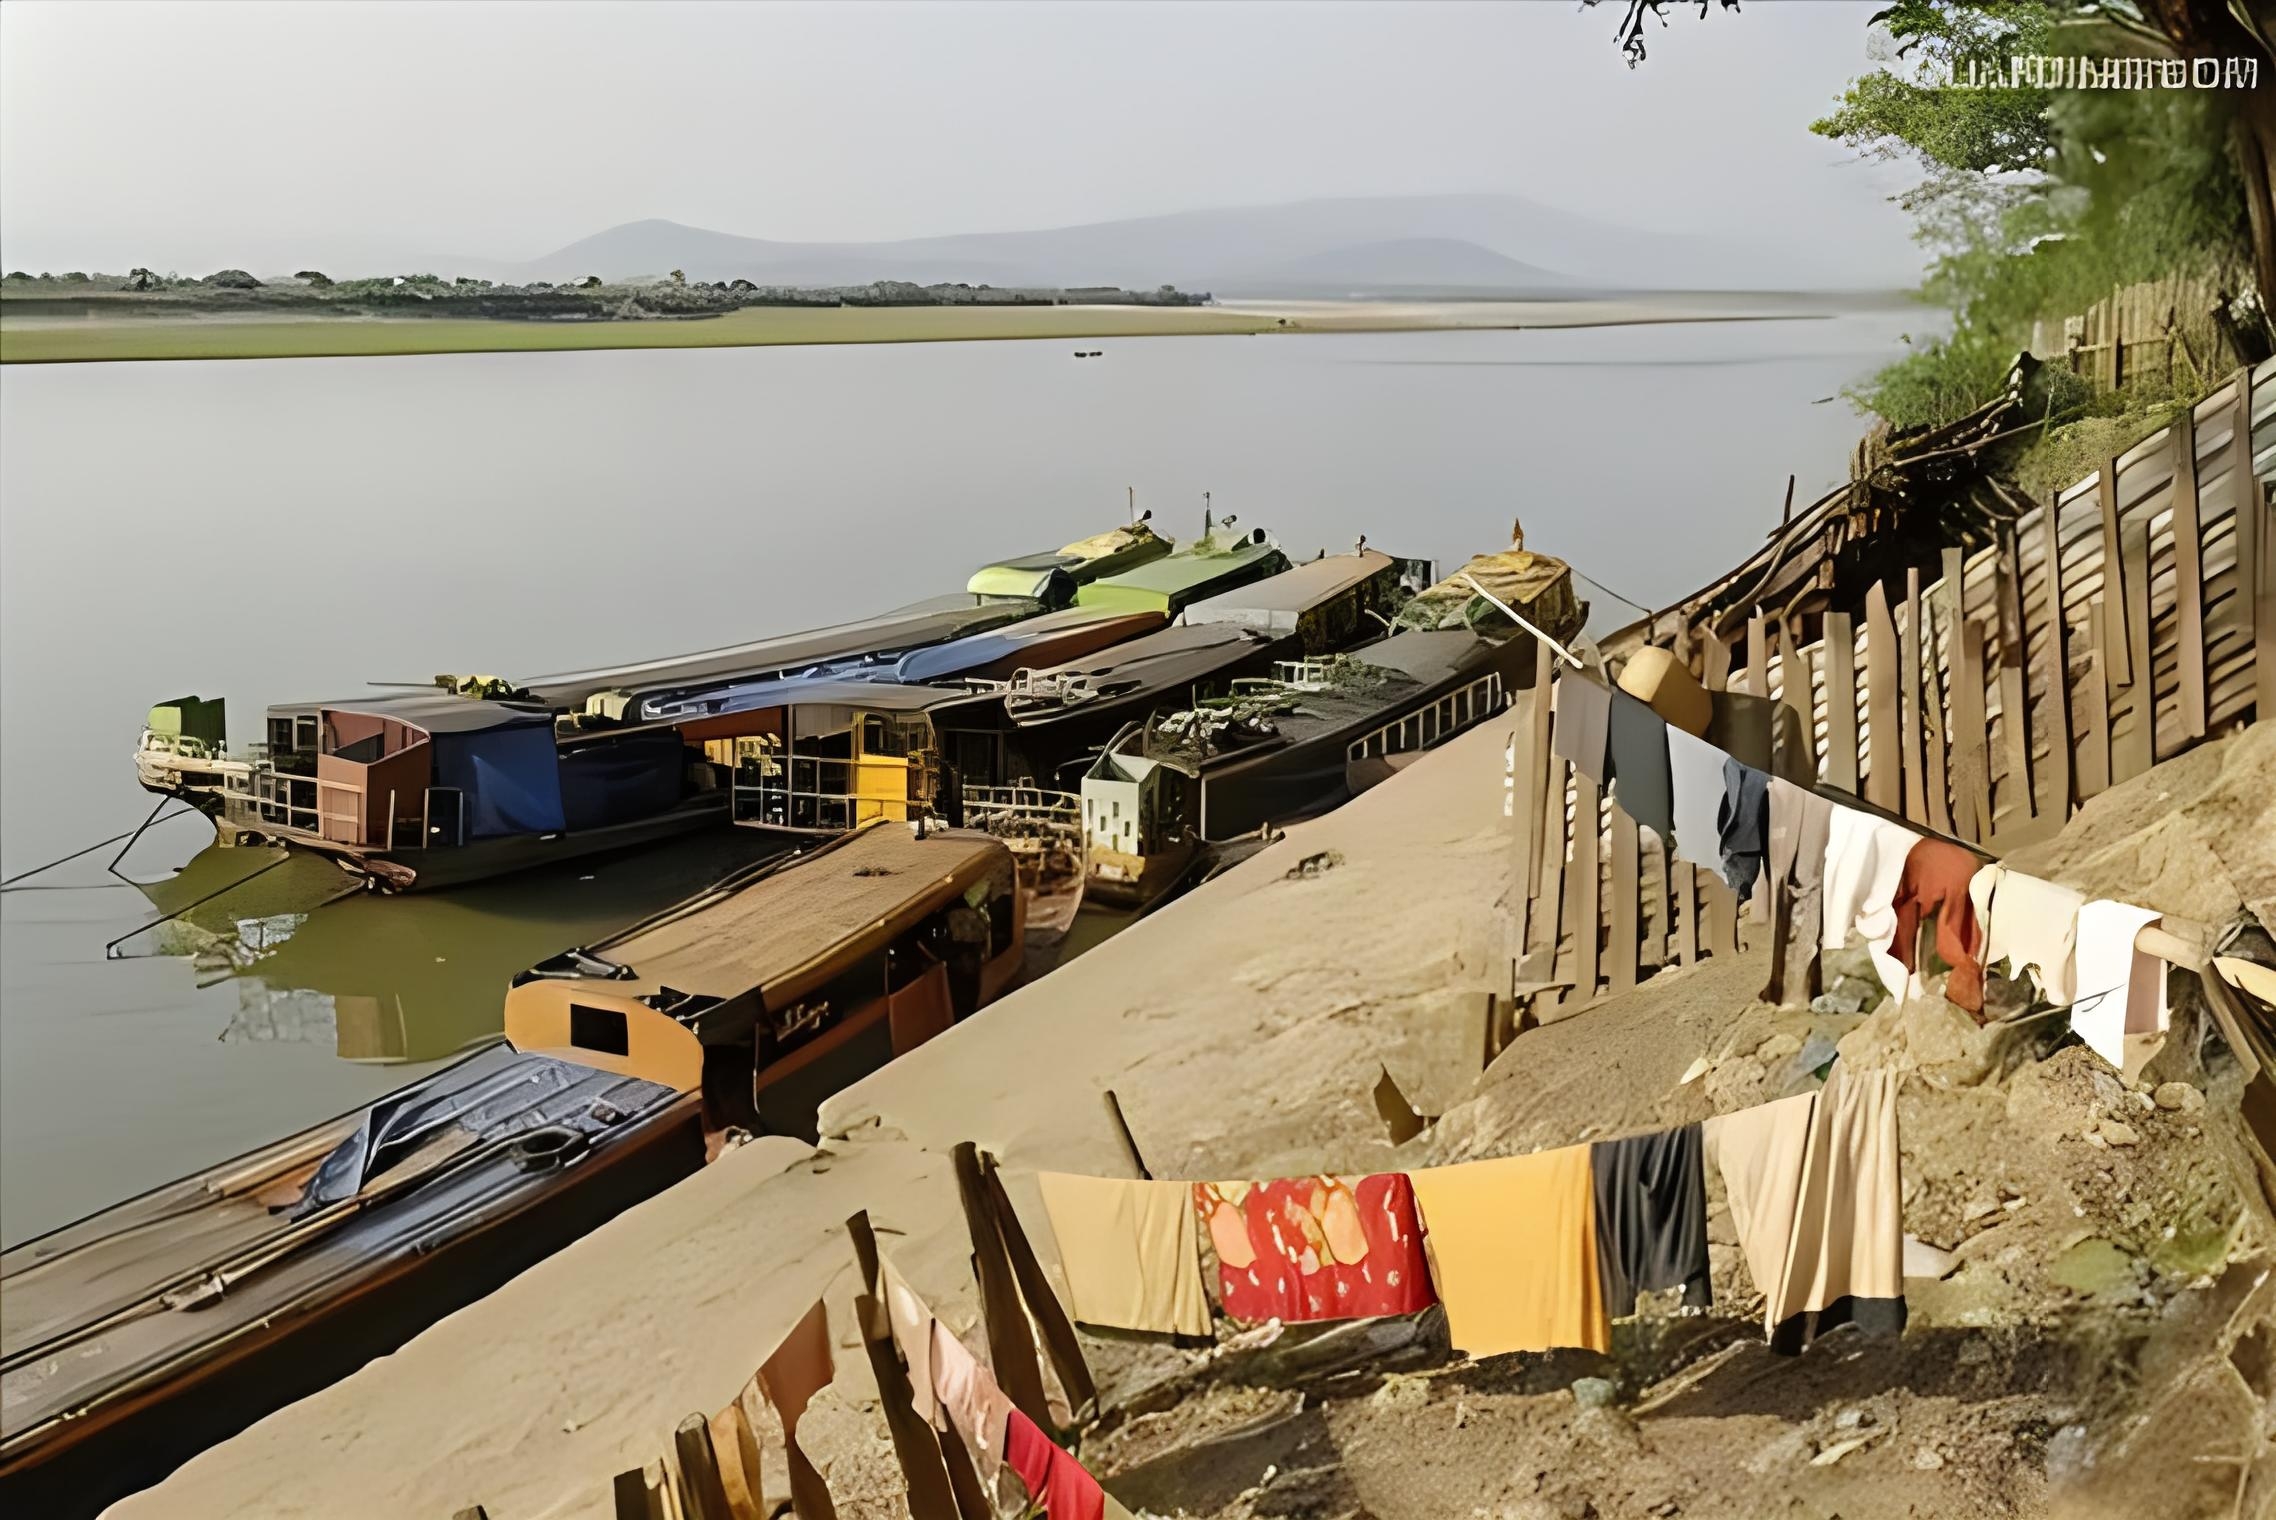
x=192 y=136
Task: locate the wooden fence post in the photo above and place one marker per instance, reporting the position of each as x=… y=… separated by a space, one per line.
x=2094 y=710
x=2060 y=794
x=1841 y=768
x=1908 y=655
x=2138 y=752
x=1625 y=944
x=1011 y=1344
x=2014 y=694
x=1884 y=778
x=1050 y=1317
x=2188 y=573
x=1971 y=768
x=2255 y=552
x=702 y=1495
x=915 y=1445
x=1588 y=885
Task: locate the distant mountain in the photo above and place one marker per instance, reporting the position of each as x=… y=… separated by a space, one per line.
x=1384 y=244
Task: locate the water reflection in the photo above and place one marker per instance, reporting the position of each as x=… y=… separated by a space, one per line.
x=411 y=978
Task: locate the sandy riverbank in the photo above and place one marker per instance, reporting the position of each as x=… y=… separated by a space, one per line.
x=63 y=340
x=2083 y=1352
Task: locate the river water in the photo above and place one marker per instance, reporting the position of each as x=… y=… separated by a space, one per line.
x=284 y=530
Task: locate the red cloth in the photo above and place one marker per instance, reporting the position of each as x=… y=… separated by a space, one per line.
x=1312 y=1248
x=1056 y=1483
x=1936 y=881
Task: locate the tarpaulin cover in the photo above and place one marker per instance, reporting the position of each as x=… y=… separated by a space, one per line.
x=511 y=779
x=637 y=776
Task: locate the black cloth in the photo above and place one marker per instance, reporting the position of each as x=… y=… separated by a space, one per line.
x=1651 y=1217
x=1643 y=783
x=1743 y=821
x=1871 y=1316
x=1584 y=710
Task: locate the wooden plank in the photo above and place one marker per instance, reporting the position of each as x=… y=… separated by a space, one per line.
x=1758 y=655
x=1794 y=682
x=1011 y=1336
x=1884 y=780
x=1715 y=674
x=2136 y=751
x=1939 y=751
x=2014 y=692
x=1722 y=915
x=2255 y=551
x=1541 y=950
x=1526 y=732
x=1686 y=877
x=1840 y=644
x=1971 y=776
x=1908 y=657
x=2094 y=710
x=2117 y=667
x=1625 y=940
x=1588 y=886
x=2188 y=572
x=2057 y=800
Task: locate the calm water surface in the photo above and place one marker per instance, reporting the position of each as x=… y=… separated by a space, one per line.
x=284 y=530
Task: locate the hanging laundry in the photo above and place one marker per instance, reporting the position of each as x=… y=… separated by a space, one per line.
x=913 y=1333
x=1651 y=1217
x=1936 y=880
x=1865 y=859
x=791 y=1375
x=1131 y=1252
x=1312 y=1248
x=1512 y=1247
x=2030 y=925
x=1742 y=825
x=1799 y=821
x=968 y=1398
x=1817 y=1200
x=1582 y=725
x=1639 y=765
x=2119 y=1009
x=1695 y=772
x=1057 y=1484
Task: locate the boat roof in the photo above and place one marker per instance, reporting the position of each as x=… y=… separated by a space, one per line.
x=777 y=932
x=1159 y=661
x=442 y=712
x=974 y=651
x=870 y=696
x=909 y=627
x=1292 y=592
x=1430 y=654
x=72 y=1336
x=1189 y=569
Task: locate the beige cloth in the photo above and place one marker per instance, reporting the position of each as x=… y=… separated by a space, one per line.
x=1816 y=1195
x=2119 y=1009
x=2030 y=925
x=1512 y=1246
x=913 y=1333
x=968 y=1398
x=791 y=1375
x=1131 y=1250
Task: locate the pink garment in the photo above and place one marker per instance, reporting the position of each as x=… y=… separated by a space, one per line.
x=971 y=1401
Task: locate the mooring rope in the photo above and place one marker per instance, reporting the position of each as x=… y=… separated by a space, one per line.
x=9 y=885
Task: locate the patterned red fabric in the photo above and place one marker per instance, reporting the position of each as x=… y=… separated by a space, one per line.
x=1312 y=1248
x=1055 y=1482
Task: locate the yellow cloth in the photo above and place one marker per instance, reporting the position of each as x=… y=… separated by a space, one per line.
x=1131 y=1250
x=1512 y=1245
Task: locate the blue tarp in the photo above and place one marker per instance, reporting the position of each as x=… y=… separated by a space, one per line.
x=637 y=776
x=511 y=778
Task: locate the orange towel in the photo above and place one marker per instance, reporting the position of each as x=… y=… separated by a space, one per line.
x=1512 y=1244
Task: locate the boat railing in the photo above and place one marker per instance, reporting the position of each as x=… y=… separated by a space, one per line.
x=1063 y=687
x=1022 y=805
x=1427 y=727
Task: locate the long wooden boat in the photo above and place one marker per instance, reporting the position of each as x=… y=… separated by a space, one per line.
x=137 y=1337
x=774 y=990
x=1329 y=603
x=1044 y=831
x=1280 y=748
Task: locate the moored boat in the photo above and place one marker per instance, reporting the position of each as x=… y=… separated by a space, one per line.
x=776 y=988
x=1044 y=831
x=135 y=1338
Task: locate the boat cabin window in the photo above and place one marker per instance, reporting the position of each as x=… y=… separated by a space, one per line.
x=599 y=1029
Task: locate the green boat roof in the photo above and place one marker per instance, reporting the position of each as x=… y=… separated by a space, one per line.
x=1184 y=576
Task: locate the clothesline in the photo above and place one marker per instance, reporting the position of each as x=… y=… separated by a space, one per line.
x=1876 y=878
x=1526 y=1252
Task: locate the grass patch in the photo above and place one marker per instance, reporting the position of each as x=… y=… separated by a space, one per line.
x=96 y=338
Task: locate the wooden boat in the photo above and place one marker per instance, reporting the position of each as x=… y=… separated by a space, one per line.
x=1052 y=577
x=431 y=789
x=774 y=990
x=1278 y=749
x=1044 y=831
x=1329 y=603
x=1217 y=561
x=141 y=1335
